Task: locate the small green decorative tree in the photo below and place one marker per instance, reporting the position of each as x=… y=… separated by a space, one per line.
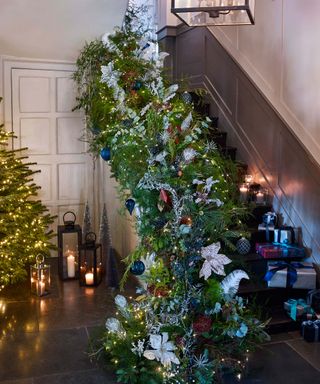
x=23 y=219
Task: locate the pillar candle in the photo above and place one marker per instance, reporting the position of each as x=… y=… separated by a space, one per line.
x=71 y=266
x=89 y=278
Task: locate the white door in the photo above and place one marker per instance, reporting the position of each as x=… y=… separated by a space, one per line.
x=43 y=121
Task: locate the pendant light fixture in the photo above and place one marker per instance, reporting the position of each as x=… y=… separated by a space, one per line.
x=201 y=13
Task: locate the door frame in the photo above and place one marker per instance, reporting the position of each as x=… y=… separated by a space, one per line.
x=7 y=64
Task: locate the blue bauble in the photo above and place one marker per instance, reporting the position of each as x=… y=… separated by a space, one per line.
x=105 y=153
x=130 y=203
x=137 y=268
x=243 y=246
x=137 y=85
x=95 y=130
x=186 y=97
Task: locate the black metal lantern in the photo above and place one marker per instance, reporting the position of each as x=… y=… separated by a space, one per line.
x=90 y=261
x=69 y=242
x=200 y=13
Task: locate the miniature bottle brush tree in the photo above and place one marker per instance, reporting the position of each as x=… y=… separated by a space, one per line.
x=187 y=325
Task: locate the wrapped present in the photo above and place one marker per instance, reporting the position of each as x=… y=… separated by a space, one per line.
x=269 y=220
x=259 y=246
x=270 y=251
x=291 y=275
x=285 y=235
x=314 y=299
x=310 y=330
x=292 y=251
x=297 y=308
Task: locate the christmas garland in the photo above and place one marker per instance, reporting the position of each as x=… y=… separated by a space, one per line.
x=187 y=325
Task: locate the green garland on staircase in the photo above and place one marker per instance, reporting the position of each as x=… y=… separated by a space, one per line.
x=187 y=325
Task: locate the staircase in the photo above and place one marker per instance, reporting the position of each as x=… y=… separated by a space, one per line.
x=269 y=301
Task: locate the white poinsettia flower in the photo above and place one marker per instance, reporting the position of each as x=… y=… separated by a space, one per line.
x=121 y=301
x=162 y=350
x=113 y=325
x=214 y=261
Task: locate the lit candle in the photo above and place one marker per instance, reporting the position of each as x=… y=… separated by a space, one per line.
x=243 y=192
x=248 y=179
x=260 y=197
x=41 y=288
x=71 y=266
x=89 y=278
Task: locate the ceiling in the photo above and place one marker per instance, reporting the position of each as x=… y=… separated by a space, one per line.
x=55 y=29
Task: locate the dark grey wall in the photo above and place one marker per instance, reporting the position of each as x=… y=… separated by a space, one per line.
x=274 y=155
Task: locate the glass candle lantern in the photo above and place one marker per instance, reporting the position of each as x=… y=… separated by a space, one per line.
x=262 y=196
x=90 y=262
x=69 y=242
x=243 y=188
x=40 y=277
x=248 y=179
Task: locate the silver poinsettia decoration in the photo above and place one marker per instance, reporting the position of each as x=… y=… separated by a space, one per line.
x=214 y=261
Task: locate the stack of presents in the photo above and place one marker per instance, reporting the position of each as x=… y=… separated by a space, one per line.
x=286 y=268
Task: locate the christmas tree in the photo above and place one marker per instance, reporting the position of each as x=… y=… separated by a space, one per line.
x=23 y=219
x=187 y=325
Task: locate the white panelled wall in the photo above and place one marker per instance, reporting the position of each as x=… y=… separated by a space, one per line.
x=280 y=54
x=38 y=101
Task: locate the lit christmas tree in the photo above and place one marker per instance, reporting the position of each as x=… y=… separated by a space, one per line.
x=23 y=219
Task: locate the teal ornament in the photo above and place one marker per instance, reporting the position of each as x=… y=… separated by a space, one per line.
x=105 y=153
x=137 y=268
x=130 y=203
x=137 y=85
x=243 y=246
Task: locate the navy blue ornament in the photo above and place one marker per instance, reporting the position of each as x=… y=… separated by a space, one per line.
x=137 y=85
x=95 y=130
x=178 y=269
x=130 y=203
x=186 y=97
x=137 y=268
x=127 y=123
x=194 y=302
x=243 y=246
x=105 y=153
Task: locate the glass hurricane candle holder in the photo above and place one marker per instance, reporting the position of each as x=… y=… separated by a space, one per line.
x=90 y=272
x=40 y=277
x=69 y=242
x=243 y=189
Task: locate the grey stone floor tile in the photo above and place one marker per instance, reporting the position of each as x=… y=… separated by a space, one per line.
x=44 y=353
x=87 y=377
x=277 y=364
x=309 y=351
x=23 y=381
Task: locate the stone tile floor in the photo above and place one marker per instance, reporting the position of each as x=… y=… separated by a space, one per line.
x=45 y=341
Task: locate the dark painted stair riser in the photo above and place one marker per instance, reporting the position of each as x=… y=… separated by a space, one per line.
x=269 y=300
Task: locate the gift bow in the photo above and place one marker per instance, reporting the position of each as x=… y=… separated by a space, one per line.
x=292 y=275
x=268 y=218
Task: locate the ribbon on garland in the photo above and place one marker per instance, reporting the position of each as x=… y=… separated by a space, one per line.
x=292 y=274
